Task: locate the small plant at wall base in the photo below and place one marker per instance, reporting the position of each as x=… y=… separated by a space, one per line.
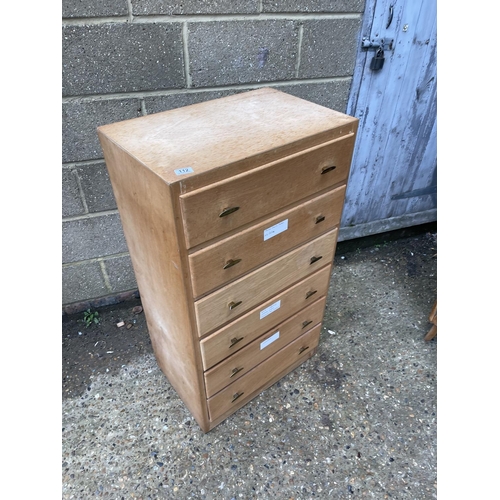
x=90 y=317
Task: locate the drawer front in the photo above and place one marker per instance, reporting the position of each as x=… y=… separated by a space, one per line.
x=227 y=205
x=244 y=360
x=241 y=389
x=247 y=292
x=227 y=259
x=242 y=331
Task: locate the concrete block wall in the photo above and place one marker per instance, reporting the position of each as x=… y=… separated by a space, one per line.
x=127 y=58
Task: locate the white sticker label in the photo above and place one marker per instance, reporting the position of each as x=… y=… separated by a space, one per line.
x=276 y=229
x=270 y=340
x=183 y=171
x=268 y=310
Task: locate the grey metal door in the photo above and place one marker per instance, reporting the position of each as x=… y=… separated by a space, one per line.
x=393 y=176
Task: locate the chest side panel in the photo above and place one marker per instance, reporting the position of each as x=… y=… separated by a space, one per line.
x=147 y=214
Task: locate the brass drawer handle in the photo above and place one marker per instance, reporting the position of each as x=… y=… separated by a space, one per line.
x=309 y=294
x=319 y=219
x=324 y=170
x=306 y=323
x=232 y=305
x=302 y=349
x=231 y=263
x=315 y=259
x=236 y=396
x=235 y=371
x=228 y=210
x=234 y=341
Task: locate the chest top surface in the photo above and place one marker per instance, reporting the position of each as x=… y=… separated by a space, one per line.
x=191 y=140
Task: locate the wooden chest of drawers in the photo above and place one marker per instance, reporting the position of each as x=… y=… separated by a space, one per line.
x=231 y=209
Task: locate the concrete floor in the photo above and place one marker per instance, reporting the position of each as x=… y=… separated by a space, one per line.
x=358 y=420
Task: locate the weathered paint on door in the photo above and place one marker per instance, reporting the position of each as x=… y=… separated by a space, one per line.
x=393 y=175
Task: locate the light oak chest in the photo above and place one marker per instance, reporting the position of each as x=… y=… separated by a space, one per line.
x=231 y=210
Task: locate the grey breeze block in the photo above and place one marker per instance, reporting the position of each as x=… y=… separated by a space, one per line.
x=115 y=57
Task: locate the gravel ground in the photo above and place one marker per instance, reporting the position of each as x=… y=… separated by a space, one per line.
x=358 y=420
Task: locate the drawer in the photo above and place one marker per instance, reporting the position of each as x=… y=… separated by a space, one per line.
x=244 y=360
x=241 y=295
x=241 y=390
x=227 y=259
x=245 y=329
x=229 y=204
